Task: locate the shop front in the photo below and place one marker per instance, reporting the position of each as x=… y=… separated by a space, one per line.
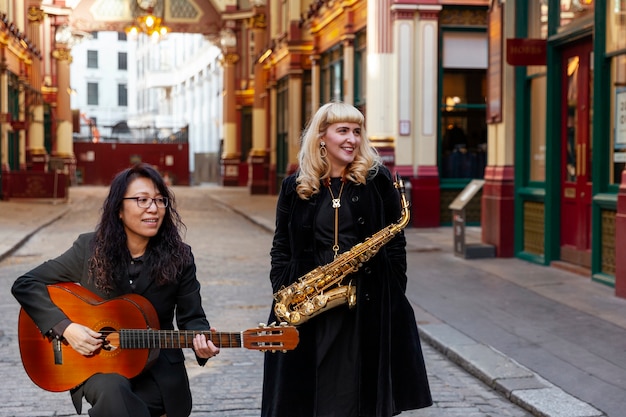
x=570 y=143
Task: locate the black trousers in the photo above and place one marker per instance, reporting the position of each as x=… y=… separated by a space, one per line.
x=114 y=395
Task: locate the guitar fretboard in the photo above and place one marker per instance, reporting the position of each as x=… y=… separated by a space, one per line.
x=171 y=339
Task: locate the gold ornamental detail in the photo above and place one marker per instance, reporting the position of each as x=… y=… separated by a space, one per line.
x=62 y=54
x=230 y=59
x=35 y=14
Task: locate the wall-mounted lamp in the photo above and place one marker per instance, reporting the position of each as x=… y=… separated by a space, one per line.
x=228 y=39
x=63 y=34
x=66 y=36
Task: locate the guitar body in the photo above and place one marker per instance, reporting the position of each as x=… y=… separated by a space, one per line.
x=84 y=307
x=132 y=339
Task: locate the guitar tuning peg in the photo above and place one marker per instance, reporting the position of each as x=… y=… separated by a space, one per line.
x=283 y=324
x=273 y=324
x=262 y=325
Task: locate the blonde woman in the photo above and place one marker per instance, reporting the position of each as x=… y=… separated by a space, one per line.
x=361 y=361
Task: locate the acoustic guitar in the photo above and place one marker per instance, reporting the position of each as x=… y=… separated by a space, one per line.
x=131 y=338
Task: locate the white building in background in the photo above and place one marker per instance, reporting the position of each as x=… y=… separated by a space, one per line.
x=156 y=89
x=99 y=79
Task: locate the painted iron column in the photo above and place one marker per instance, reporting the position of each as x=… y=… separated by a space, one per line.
x=258 y=159
x=36 y=155
x=381 y=96
x=231 y=155
x=425 y=186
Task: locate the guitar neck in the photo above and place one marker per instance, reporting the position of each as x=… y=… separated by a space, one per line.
x=172 y=339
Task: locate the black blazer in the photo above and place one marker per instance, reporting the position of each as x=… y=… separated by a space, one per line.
x=181 y=299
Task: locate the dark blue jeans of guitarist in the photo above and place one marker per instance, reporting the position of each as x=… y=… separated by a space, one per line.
x=136 y=254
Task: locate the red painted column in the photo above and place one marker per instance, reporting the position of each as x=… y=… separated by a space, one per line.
x=498 y=210
x=425 y=197
x=620 y=239
x=230 y=156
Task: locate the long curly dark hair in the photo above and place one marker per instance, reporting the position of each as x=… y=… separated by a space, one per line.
x=167 y=254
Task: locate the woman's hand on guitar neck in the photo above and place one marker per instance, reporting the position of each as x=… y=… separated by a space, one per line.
x=203 y=347
x=84 y=340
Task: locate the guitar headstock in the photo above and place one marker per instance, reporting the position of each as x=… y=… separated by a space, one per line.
x=271 y=338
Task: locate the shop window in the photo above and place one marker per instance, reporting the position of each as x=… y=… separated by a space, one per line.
x=360 y=70
x=575 y=12
x=538 y=19
x=537 y=87
x=463 y=125
x=616 y=27
x=13 y=106
x=282 y=130
x=463 y=108
x=332 y=75
x=616 y=45
x=537 y=130
x=283 y=17
x=245 y=128
x=618 y=118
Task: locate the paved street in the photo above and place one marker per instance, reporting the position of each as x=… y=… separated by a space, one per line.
x=233 y=264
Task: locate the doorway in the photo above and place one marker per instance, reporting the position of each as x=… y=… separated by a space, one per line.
x=576 y=152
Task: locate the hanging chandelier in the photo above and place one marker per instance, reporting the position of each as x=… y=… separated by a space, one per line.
x=148 y=23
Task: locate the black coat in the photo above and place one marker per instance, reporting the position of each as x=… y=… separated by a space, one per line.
x=183 y=297
x=391 y=372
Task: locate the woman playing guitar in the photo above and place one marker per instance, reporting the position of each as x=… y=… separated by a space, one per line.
x=136 y=248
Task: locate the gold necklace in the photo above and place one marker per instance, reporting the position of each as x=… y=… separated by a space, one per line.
x=336 y=202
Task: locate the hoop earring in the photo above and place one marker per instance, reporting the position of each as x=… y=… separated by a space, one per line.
x=323 y=150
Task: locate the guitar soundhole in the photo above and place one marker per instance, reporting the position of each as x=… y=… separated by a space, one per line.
x=111 y=339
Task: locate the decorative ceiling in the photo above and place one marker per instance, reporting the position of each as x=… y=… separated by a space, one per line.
x=190 y=16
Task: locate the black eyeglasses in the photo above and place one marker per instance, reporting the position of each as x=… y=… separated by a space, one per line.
x=145 y=202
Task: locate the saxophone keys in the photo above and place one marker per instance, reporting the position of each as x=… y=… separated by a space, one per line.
x=321 y=300
x=308 y=307
x=294 y=317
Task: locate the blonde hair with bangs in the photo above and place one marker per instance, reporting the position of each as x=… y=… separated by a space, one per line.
x=313 y=168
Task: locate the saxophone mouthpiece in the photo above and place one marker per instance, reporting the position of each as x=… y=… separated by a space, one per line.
x=399 y=183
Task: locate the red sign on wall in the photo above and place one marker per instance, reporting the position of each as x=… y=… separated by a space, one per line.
x=18 y=124
x=522 y=51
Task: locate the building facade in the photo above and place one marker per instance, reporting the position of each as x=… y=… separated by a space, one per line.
x=40 y=42
x=526 y=96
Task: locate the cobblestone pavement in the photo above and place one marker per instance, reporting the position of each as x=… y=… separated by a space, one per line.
x=232 y=256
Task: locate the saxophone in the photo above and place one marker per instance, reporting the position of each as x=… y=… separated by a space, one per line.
x=323 y=288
